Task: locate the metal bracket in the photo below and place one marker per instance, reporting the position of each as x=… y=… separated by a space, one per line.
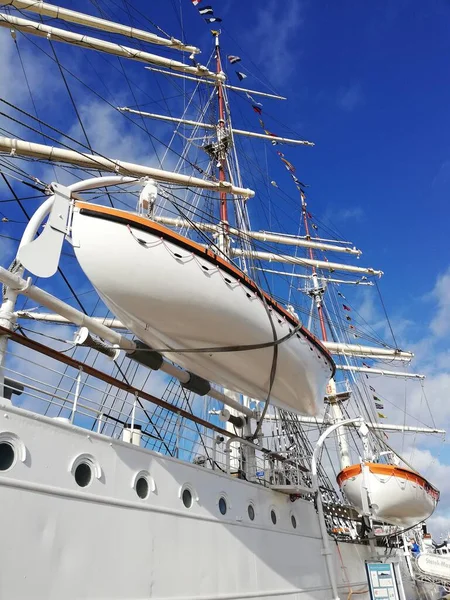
x=41 y=255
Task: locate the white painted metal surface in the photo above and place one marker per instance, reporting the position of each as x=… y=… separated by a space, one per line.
x=435 y=565
x=306 y=262
x=264 y=236
x=253 y=134
x=385 y=372
x=394 y=500
x=103 y=541
x=72 y=16
x=226 y=85
x=91 y=43
x=171 y=298
x=93 y=161
x=360 y=350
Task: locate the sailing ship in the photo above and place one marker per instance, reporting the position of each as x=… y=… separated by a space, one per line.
x=106 y=483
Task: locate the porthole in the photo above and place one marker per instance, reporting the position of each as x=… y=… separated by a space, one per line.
x=251 y=512
x=83 y=474
x=294 y=521
x=84 y=468
x=7 y=456
x=177 y=255
x=222 y=505
x=142 y=488
x=273 y=516
x=228 y=280
x=187 y=497
x=205 y=268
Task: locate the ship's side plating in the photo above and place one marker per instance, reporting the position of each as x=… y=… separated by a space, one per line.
x=105 y=541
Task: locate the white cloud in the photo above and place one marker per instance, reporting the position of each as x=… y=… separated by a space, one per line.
x=274 y=33
x=350 y=97
x=428 y=454
x=355 y=213
x=440 y=324
x=110 y=133
x=439 y=526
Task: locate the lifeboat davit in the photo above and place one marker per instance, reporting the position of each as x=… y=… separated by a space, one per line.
x=397 y=495
x=173 y=293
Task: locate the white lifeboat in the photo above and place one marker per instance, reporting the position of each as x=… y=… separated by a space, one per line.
x=397 y=495
x=173 y=293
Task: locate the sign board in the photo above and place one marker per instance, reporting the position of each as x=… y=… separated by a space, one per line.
x=435 y=565
x=382 y=581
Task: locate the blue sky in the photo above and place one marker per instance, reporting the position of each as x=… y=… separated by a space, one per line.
x=369 y=84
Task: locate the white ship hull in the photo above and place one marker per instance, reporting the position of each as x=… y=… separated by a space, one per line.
x=398 y=496
x=66 y=542
x=171 y=296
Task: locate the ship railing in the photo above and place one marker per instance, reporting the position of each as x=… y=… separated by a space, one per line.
x=46 y=386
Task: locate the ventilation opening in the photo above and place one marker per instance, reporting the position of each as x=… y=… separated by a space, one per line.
x=142 y=488
x=294 y=522
x=7 y=456
x=83 y=474
x=273 y=516
x=177 y=255
x=228 y=280
x=251 y=512
x=187 y=498
x=223 y=506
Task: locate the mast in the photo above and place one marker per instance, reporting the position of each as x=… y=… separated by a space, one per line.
x=317 y=291
x=221 y=152
x=332 y=397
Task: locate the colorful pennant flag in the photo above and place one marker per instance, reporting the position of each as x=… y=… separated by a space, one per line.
x=206 y=10
x=366 y=365
x=314 y=226
x=215 y=32
x=381 y=415
x=257 y=109
x=252 y=99
x=213 y=20
x=289 y=166
x=372 y=388
x=346 y=307
x=348 y=318
x=379 y=406
x=341 y=295
x=352 y=327
x=234 y=59
x=195 y=2
x=241 y=76
x=274 y=183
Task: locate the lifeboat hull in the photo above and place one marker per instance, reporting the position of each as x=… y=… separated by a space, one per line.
x=172 y=293
x=398 y=496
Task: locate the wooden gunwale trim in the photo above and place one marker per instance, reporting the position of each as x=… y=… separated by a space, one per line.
x=122 y=216
x=389 y=471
